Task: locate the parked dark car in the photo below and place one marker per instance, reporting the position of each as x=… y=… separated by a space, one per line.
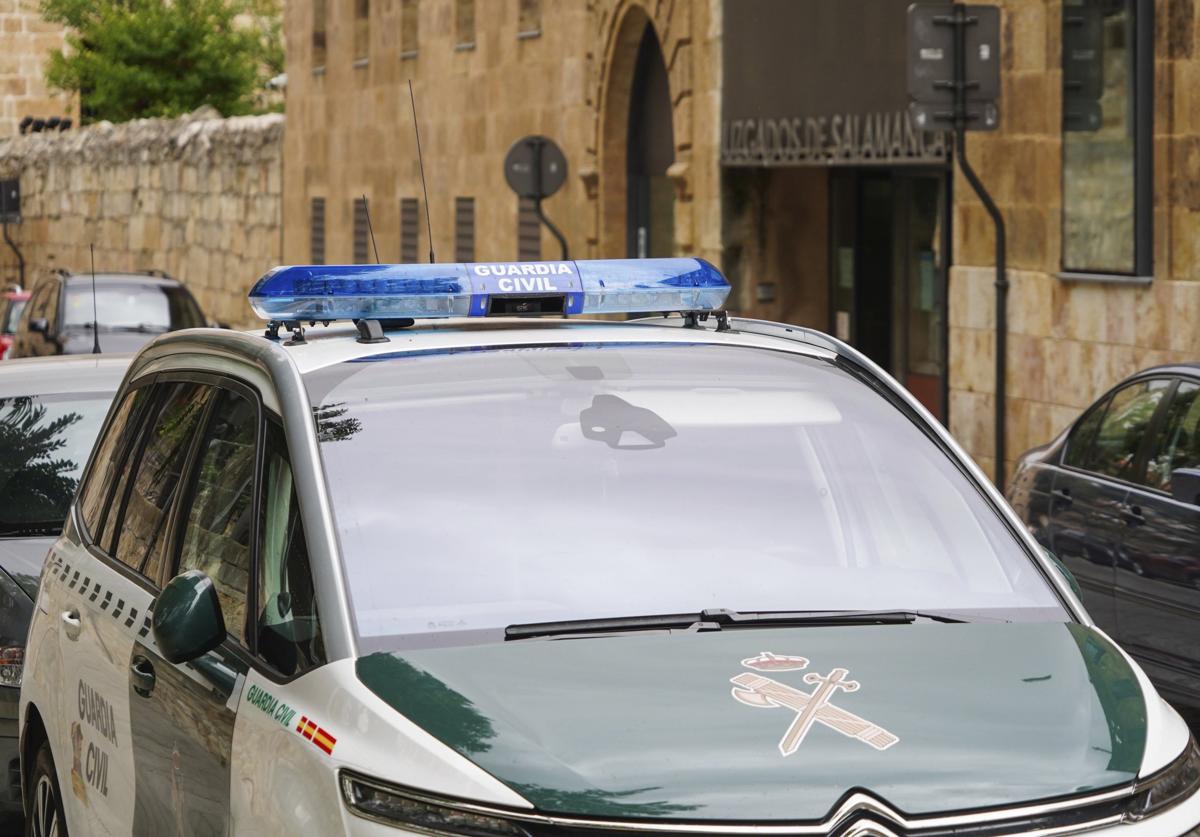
x=1117 y=498
x=131 y=309
x=12 y=303
x=51 y=411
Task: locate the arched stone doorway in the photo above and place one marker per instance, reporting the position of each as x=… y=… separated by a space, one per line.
x=637 y=197
x=650 y=195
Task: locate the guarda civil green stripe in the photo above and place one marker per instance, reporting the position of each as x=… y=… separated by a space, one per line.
x=648 y=726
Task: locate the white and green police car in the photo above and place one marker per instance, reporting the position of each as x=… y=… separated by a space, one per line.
x=451 y=571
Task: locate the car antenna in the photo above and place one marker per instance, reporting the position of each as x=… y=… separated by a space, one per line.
x=421 y=164
x=95 y=317
x=370 y=229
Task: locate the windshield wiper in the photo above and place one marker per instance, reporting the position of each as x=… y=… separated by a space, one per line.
x=719 y=619
x=139 y=328
x=30 y=530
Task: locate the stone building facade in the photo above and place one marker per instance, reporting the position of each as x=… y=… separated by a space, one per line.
x=25 y=42
x=484 y=75
x=1071 y=335
x=199 y=197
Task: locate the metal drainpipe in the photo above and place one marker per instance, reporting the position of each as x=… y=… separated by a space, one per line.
x=20 y=259
x=1001 y=284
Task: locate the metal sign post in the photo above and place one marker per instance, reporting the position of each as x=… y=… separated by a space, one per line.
x=954 y=81
x=535 y=168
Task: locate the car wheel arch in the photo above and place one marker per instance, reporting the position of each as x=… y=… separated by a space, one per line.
x=33 y=733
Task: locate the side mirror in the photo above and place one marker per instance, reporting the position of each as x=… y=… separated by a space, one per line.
x=1185 y=485
x=187 y=619
x=39 y=325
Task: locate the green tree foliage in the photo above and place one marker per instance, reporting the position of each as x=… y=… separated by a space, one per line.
x=144 y=58
x=35 y=486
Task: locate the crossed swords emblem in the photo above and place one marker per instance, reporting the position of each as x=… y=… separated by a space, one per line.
x=810 y=707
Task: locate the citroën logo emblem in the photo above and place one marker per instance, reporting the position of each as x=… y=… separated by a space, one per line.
x=810 y=707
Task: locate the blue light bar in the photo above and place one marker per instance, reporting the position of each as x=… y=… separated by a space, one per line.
x=397 y=291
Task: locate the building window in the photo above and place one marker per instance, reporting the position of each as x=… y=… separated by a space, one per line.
x=1108 y=102
x=410 y=229
x=529 y=18
x=362 y=31
x=464 y=24
x=316 y=233
x=360 y=231
x=409 y=14
x=464 y=229
x=318 y=34
x=529 y=231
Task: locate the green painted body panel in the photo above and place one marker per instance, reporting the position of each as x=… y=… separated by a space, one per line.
x=646 y=725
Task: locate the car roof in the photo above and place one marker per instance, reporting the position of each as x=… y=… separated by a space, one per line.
x=65 y=374
x=111 y=278
x=338 y=343
x=1190 y=368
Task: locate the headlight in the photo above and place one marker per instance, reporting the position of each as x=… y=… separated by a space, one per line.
x=1170 y=786
x=401 y=808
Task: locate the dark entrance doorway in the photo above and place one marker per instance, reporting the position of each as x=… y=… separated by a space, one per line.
x=889 y=247
x=651 y=209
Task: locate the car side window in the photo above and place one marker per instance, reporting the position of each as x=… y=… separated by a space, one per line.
x=1123 y=429
x=141 y=530
x=1079 y=445
x=111 y=449
x=216 y=533
x=1177 y=444
x=289 y=629
x=39 y=302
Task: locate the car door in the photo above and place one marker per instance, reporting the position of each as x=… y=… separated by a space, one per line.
x=1087 y=517
x=109 y=594
x=184 y=713
x=1158 y=580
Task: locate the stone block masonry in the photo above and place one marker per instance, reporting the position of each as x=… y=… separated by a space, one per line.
x=26 y=41
x=198 y=197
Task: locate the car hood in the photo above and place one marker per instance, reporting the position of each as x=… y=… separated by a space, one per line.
x=651 y=725
x=22 y=558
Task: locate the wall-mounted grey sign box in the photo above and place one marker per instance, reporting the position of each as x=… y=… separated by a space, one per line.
x=10 y=201
x=932 y=45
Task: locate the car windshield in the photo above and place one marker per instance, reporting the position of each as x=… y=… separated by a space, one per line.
x=12 y=316
x=131 y=305
x=480 y=489
x=44 y=443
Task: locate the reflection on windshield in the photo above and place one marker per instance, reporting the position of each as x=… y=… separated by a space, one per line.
x=44 y=444
x=131 y=306
x=475 y=491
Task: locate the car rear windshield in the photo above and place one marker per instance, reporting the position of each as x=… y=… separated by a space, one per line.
x=475 y=490
x=137 y=306
x=12 y=316
x=44 y=443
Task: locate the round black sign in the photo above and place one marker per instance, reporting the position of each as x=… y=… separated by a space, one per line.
x=524 y=174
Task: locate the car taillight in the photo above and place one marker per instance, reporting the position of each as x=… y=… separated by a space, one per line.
x=16 y=611
x=12 y=664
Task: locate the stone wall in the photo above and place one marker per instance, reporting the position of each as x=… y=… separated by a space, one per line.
x=25 y=42
x=1069 y=341
x=199 y=197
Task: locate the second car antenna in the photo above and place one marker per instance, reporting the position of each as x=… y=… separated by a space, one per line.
x=370 y=229
x=95 y=316
x=421 y=163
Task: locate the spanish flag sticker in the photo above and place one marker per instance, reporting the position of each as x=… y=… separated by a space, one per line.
x=318 y=736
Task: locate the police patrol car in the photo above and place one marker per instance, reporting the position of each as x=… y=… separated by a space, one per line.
x=439 y=572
